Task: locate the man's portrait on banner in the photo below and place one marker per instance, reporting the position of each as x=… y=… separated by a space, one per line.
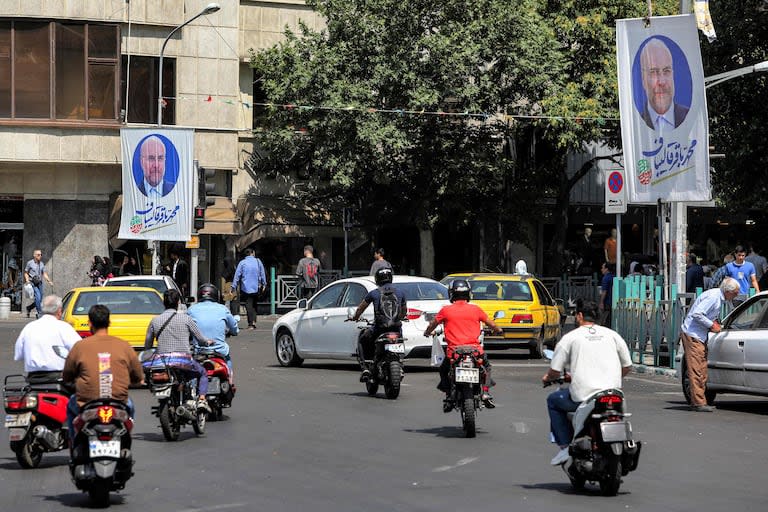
x=155 y=166
x=662 y=84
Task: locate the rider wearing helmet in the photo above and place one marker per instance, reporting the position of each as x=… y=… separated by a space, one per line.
x=214 y=320
x=365 y=348
x=462 y=327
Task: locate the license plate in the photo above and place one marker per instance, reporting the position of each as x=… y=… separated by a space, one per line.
x=397 y=348
x=17 y=420
x=468 y=375
x=16 y=434
x=162 y=393
x=214 y=386
x=616 y=431
x=105 y=448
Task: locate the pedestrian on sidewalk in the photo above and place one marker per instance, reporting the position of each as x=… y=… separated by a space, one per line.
x=308 y=270
x=35 y=273
x=251 y=282
x=379 y=262
x=606 y=293
x=699 y=322
x=743 y=272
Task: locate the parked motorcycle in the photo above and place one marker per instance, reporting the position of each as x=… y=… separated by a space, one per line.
x=221 y=390
x=102 y=461
x=35 y=416
x=603 y=449
x=388 y=367
x=176 y=391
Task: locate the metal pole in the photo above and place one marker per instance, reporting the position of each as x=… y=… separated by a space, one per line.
x=155 y=256
x=193 y=273
x=346 y=252
x=618 y=245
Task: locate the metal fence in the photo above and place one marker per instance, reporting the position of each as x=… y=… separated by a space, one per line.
x=570 y=288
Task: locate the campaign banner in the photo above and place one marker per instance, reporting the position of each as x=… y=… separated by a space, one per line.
x=663 y=105
x=158 y=180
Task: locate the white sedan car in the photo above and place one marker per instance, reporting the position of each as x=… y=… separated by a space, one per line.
x=317 y=328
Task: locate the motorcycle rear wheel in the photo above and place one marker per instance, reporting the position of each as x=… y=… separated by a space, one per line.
x=27 y=456
x=168 y=423
x=610 y=483
x=199 y=424
x=468 y=417
x=99 y=494
x=392 y=387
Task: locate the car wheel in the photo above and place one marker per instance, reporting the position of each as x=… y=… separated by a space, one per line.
x=285 y=349
x=537 y=348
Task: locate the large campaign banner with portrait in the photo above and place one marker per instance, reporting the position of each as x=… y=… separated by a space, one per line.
x=664 y=126
x=158 y=179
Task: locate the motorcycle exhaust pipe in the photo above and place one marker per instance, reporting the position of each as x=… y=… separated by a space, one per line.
x=183 y=412
x=49 y=439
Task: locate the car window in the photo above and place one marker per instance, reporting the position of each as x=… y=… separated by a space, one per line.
x=504 y=290
x=328 y=298
x=751 y=317
x=426 y=290
x=543 y=294
x=65 y=301
x=127 y=302
x=354 y=295
x=157 y=284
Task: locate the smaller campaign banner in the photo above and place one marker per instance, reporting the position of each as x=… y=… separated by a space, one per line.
x=158 y=180
x=663 y=105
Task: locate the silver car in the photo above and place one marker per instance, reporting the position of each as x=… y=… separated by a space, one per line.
x=318 y=328
x=737 y=358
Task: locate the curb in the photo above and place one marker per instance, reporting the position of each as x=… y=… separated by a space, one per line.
x=655 y=370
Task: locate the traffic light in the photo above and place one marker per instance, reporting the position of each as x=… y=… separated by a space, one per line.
x=205 y=187
x=199 y=218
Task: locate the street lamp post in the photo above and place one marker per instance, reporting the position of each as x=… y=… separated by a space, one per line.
x=734 y=73
x=209 y=9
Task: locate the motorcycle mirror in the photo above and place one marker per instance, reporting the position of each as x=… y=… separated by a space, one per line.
x=146 y=355
x=61 y=351
x=499 y=314
x=350 y=313
x=548 y=354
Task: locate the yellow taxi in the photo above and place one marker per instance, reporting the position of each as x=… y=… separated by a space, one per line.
x=131 y=309
x=532 y=318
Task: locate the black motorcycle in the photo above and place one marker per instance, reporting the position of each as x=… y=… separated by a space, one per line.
x=603 y=449
x=176 y=391
x=466 y=390
x=101 y=455
x=388 y=368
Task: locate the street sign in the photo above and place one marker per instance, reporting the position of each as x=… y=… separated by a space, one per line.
x=193 y=243
x=615 y=192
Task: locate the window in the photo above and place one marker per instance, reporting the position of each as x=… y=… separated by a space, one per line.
x=354 y=296
x=544 y=297
x=120 y=303
x=327 y=298
x=141 y=103
x=745 y=319
x=423 y=291
x=58 y=70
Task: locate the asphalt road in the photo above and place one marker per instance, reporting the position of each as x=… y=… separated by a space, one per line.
x=309 y=438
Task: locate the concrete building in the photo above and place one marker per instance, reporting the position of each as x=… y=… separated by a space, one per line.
x=72 y=73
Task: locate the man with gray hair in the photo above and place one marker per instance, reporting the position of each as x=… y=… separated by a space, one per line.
x=699 y=322
x=37 y=341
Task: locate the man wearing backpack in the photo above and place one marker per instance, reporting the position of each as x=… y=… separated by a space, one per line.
x=308 y=270
x=389 y=310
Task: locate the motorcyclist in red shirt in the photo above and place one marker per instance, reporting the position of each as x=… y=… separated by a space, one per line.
x=462 y=327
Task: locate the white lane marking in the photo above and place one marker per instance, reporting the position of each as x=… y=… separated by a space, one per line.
x=215 y=507
x=521 y=427
x=655 y=381
x=462 y=462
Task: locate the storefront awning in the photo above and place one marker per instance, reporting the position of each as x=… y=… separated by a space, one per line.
x=281 y=217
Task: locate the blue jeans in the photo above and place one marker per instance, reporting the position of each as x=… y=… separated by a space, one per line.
x=73 y=410
x=559 y=405
x=38 y=299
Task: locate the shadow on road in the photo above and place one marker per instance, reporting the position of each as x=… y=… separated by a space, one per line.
x=49 y=461
x=567 y=488
x=81 y=500
x=354 y=367
x=747 y=406
x=452 y=432
x=154 y=437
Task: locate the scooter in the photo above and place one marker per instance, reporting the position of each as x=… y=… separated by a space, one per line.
x=603 y=448
x=36 y=418
x=387 y=368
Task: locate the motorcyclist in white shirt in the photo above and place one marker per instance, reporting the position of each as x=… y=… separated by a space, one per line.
x=36 y=342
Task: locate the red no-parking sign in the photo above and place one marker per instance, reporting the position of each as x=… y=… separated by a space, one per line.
x=615 y=191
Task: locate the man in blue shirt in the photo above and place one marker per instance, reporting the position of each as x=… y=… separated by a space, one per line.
x=214 y=320
x=694 y=275
x=700 y=320
x=742 y=271
x=251 y=281
x=606 y=294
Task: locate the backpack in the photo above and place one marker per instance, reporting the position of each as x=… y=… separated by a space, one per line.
x=389 y=310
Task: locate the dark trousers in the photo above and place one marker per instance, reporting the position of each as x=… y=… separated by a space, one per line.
x=445 y=370
x=367 y=348
x=251 y=301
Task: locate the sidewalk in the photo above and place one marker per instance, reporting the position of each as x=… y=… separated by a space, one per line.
x=17 y=316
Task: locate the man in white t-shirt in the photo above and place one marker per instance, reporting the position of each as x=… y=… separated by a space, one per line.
x=597 y=358
x=36 y=342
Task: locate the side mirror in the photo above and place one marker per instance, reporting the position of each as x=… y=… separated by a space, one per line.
x=549 y=354
x=302 y=304
x=350 y=312
x=560 y=303
x=499 y=314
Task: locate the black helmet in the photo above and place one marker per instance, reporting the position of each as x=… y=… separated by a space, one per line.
x=383 y=276
x=208 y=291
x=459 y=289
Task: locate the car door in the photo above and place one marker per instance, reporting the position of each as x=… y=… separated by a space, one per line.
x=756 y=350
x=349 y=331
x=725 y=357
x=321 y=325
x=551 y=315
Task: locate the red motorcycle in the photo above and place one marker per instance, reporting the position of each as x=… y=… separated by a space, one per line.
x=36 y=418
x=221 y=390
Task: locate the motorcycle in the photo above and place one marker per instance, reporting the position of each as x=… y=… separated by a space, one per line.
x=603 y=449
x=102 y=461
x=35 y=416
x=176 y=391
x=388 y=367
x=466 y=391
x=221 y=390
